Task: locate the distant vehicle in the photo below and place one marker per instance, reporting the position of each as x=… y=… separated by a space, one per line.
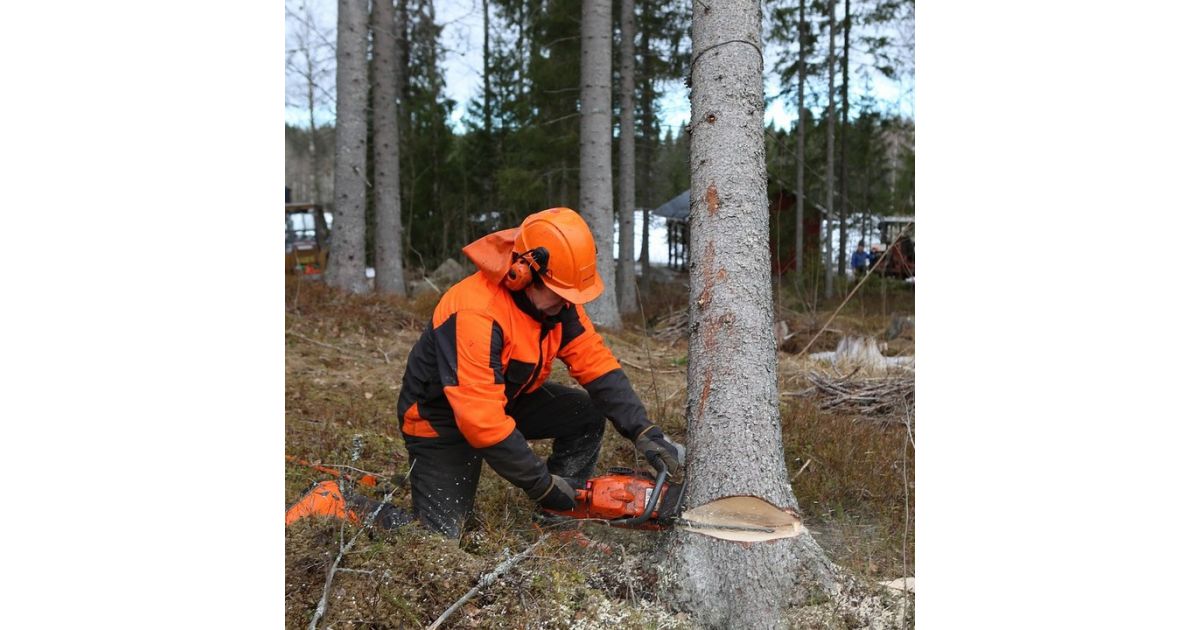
x=307 y=238
x=901 y=260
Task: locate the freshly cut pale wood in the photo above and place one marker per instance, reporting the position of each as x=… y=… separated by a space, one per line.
x=743 y=519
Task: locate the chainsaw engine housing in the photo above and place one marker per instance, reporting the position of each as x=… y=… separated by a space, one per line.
x=624 y=494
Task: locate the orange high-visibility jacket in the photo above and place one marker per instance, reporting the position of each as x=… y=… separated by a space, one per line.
x=487 y=345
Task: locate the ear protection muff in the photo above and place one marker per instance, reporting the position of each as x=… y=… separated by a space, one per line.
x=525 y=267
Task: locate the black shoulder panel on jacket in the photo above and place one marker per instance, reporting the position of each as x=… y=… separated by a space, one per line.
x=496 y=352
x=446 y=338
x=572 y=327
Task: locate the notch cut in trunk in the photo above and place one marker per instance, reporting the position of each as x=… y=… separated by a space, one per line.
x=742 y=519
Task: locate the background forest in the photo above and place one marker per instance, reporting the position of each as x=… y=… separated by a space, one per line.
x=513 y=147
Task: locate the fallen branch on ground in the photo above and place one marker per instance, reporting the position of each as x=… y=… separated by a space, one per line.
x=649 y=369
x=347 y=351
x=486 y=581
x=323 y=603
x=866 y=396
x=671 y=327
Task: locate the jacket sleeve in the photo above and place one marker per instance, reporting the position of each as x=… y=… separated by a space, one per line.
x=593 y=365
x=469 y=349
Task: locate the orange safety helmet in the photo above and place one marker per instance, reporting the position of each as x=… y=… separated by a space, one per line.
x=557 y=245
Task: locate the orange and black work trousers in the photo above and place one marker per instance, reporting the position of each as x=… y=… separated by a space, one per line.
x=445 y=469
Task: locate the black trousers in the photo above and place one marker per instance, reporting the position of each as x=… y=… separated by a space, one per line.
x=445 y=469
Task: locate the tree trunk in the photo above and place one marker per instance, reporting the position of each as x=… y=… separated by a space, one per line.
x=487 y=74
x=403 y=52
x=800 y=111
x=626 y=276
x=389 y=262
x=595 y=151
x=649 y=139
x=430 y=32
x=347 y=260
x=829 y=175
x=735 y=444
x=843 y=210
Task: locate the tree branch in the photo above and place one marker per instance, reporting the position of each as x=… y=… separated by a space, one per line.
x=484 y=582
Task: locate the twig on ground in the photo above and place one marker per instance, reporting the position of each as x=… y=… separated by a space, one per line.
x=806 y=463
x=873 y=396
x=649 y=369
x=323 y=603
x=672 y=327
x=485 y=581
x=347 y=351
x=363 y=571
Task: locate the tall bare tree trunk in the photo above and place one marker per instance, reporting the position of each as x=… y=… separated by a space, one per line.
x=403 y=48
x=430 y=31
x=487 y=72
x=829 y=175
x=626 y=276
x=389 y=263
x=735 y=444
x=800 y=112
x=347 y=260
x=843 y=209
x=595 y=151
x=648 y=140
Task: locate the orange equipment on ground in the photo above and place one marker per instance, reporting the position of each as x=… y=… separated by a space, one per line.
x=367 y=479
x=325 y=499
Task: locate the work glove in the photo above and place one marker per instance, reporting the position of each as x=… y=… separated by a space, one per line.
x=652 y=443
x=559 y=495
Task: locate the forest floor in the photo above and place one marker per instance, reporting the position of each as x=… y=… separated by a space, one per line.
x=851 y=468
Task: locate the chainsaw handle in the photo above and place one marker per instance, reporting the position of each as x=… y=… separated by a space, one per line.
x=652 y=503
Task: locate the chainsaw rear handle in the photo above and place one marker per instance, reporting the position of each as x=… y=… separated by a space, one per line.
x=651 y=504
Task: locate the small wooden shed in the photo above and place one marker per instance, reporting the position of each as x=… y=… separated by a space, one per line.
x=782 y=206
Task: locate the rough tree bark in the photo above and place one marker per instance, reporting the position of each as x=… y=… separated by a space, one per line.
x=735 y=444
x=595 y=151
x=829 y=176
x=389 y=263
x=347 y=260
x=626 y=276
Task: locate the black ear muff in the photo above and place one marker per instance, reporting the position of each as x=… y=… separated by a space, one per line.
x=540 y=257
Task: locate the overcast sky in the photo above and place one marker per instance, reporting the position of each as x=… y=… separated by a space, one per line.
x=462 y=41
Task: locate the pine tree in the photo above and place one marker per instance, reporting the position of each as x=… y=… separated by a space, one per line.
x=347 y=260
x=735 y=444
x=595 y=150
x=389 y=264
x=626 y=287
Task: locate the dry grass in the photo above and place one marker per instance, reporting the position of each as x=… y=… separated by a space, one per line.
x=344 y=359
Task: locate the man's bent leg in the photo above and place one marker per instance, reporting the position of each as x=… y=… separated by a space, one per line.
x=568 y=416
x=444 y=476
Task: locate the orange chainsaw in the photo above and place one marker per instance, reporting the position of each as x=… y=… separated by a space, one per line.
x=625 y=498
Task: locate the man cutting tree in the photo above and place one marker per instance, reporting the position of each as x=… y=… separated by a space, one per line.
x=475 y=385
